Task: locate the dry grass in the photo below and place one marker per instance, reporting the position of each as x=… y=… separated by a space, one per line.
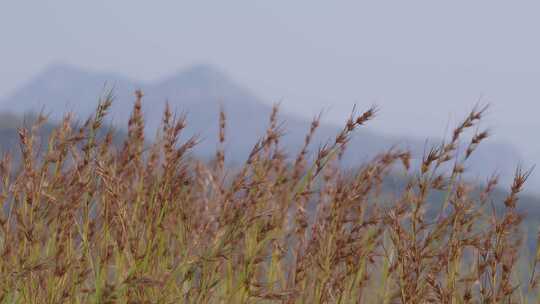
x=86 y=222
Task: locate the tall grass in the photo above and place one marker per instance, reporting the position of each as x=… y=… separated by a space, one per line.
x=86 y=221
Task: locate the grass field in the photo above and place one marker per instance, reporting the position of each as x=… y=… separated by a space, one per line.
x=87 y=221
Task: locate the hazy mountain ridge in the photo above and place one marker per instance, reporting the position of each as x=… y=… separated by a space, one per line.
x=200 y=91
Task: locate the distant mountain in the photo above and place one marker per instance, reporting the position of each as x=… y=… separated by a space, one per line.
x=63 y=88
x=200 y=91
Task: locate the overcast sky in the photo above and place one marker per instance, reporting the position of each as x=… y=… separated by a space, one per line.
x=425 y=63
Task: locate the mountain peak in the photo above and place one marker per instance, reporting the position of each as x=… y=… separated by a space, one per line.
x=62 y=68
x=66 y=75
x=199 y=75
x=58 y=73
x=205 y=71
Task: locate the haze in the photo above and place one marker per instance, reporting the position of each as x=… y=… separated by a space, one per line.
x=425 y=63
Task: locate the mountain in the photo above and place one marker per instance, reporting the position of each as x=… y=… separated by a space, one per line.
x=200 y=91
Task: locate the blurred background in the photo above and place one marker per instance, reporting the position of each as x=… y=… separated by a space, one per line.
x=426 y=64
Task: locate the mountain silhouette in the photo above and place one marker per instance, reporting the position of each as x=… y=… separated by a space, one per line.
x=200 y=91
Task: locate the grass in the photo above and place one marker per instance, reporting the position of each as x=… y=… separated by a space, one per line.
x=86 y=221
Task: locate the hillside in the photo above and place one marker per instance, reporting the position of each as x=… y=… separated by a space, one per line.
x=200 y=91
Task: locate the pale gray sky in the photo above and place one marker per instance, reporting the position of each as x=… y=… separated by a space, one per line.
x=424 y=62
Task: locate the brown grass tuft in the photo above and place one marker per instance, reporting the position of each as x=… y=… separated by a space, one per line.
x=87 y=221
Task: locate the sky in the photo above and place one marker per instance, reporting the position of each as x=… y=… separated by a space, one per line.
x=424 y=63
